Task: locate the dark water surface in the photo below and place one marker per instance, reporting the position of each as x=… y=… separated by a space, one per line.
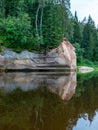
x=45 y=101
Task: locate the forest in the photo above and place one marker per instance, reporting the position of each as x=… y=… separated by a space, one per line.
x=40 y=25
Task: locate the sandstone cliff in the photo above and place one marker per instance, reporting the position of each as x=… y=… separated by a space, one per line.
x=61 y=57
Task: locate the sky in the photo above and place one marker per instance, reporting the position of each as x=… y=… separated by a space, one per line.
x=85 y=8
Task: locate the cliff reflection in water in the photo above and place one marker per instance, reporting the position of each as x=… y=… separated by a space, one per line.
x=63 y=85
x=36 y=101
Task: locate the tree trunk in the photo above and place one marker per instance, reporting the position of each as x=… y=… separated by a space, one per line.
x=41 y=20
x=63 y=18
x=36 y=20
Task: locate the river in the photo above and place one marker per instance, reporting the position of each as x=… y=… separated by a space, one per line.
x=48 y=101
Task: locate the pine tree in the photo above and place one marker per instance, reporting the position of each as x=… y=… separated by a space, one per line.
x=76 y=30
x=89 y=39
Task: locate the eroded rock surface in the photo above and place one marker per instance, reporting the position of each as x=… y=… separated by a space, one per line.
x=63 y=56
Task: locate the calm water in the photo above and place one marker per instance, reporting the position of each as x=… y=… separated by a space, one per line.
x=45 y=101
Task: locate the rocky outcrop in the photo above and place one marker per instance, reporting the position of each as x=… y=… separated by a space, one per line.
x=63 y=56
x=85 y=69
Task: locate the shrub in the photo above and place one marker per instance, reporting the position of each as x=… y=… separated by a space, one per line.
x=17 y=32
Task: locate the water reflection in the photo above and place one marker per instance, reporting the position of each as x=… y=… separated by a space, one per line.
x=63 y=85
x=40 y=101
x=87 y=122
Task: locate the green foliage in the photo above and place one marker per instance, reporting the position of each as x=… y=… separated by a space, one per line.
x=17 y=32
x=79 y=52
x=41 y=25
x=52 y=27
x=89 y=39
x=76 y=30
x=87 y=62
x=40 y=30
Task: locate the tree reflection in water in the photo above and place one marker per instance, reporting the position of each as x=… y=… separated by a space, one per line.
x=87 y=122
x=36 y=101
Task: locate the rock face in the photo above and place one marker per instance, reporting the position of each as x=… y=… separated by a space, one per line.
x=63 y=56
